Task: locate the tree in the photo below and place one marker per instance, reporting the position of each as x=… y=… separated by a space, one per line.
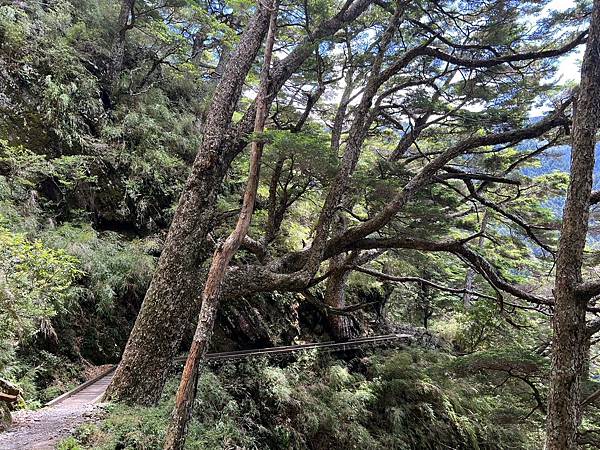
x=173 y=293
x=186 y=393
x=570 y=293
x=393 y=125
x=125 y=22
x=409 y=66
x=153 y=341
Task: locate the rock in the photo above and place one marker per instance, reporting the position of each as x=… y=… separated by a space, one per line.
x=5 y=418
x=10 y=394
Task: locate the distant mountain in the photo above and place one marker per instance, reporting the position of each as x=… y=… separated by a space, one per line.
x=558 y=159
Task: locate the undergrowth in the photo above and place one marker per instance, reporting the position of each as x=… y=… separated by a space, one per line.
x=403 y=400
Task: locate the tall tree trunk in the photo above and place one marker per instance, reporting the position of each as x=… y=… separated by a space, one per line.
x=117 y=51
x=568 y=355
x=335 y=296
x=335 y=290
x=186 y=394
x=210 y=86
x=172 y=297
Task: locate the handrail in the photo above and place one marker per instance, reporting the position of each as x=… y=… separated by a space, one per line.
x=237 y=354
x=81 y=387
x=294 y=348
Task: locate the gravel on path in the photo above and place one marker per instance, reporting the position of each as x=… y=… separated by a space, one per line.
x=44 y=428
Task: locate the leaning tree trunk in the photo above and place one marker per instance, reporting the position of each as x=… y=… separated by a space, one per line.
x=568 y=353
x=172 y=297
x=186 y=394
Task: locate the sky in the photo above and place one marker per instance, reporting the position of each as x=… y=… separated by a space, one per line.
x=568 y=70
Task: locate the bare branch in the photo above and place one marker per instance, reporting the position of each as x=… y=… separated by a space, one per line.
x=396 y=279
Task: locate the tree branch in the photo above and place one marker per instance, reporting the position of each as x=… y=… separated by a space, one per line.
x=396 y=279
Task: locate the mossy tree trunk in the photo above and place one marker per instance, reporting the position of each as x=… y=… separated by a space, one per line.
x=172 y=298
x=335 y=296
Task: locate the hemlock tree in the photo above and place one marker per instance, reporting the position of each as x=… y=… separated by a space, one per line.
x=571 y=293
x=173 y=294
x=431 y=103
x=211 y=296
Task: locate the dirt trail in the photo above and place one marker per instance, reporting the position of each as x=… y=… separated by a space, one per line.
x=43 y=429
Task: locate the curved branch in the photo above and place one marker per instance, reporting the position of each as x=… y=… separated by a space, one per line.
x=426 y=174
x=346 y=311
x=516 y=57
x=458 y=248
x=396 y=279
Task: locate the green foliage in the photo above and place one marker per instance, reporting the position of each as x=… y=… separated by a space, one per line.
x=400 y=400
x=46 y=66
x=57 y=137
x=35 y=284
x=68 y=444
x=26 y=170
x=91 y=169
x=61 y=288
x=113 y=267
x=43 y=376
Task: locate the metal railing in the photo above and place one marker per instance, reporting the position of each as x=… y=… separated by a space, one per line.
x=331 y=346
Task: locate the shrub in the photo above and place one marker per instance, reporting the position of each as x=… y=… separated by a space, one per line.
x=399 y=400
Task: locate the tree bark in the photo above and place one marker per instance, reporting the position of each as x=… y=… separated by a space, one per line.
x=117 y=51
x=335 y=296
x=211 y=295
x=568 y=355
x=172 y=296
